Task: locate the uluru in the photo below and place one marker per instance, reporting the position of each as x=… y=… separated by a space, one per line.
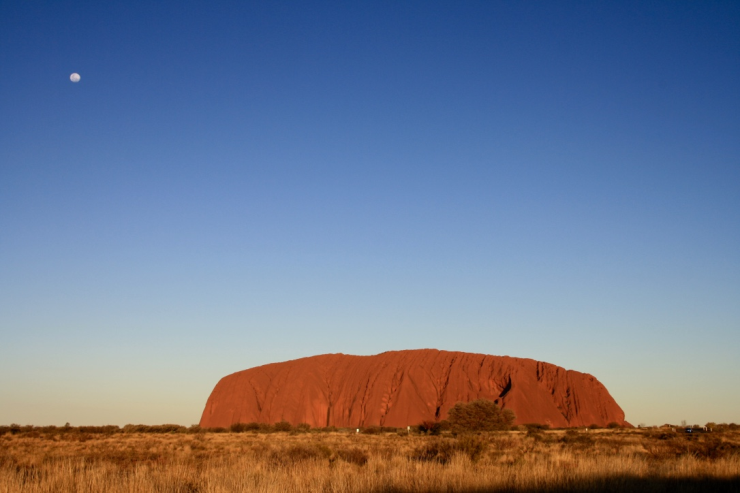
x=401 y=388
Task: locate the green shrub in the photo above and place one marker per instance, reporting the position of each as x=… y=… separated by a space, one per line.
x=479 y=415
x=238 y=427
x=429 y=427
x=104 y=430
x=282 y=426
x=166 y=428
x=252 y=426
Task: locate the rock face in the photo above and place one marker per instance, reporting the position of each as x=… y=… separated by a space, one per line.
x=401 y=388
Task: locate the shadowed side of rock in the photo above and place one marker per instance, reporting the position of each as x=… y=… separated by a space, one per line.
x=400 y=388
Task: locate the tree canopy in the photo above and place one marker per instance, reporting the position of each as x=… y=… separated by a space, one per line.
x=479 y=415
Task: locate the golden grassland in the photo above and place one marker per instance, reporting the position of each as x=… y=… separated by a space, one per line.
x=344 y=461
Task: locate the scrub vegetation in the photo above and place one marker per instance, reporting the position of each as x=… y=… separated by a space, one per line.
x=170 y=458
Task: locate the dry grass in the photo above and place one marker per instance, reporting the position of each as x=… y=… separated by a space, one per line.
x=556 y=461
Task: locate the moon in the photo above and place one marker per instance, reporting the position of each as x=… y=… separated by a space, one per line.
x=75 y=77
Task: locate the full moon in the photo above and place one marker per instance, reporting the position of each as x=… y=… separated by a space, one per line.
x=75 y=77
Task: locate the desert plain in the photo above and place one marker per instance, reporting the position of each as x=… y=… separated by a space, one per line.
x=175 y=459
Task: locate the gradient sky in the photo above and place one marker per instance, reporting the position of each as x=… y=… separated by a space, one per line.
x=238 y=183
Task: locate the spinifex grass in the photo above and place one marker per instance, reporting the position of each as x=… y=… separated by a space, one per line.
x=604 y=460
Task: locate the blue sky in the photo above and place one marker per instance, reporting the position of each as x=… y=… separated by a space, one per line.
x=237 y=183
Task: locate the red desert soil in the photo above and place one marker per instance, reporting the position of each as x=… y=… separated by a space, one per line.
x=400 y=388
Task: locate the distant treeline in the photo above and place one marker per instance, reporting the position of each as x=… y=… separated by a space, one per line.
x=97 y=430
x=284 y=426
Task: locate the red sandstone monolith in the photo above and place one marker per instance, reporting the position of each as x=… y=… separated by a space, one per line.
x=401 y=388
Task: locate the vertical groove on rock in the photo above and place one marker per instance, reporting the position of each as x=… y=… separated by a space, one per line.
x=566 y=400
x=257 y=400
x=480 y=370
x=506 y=389
x=390 y=397
x=443 y=391
x=369 y=387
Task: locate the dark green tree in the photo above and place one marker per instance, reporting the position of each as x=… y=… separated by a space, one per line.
x=480 y=415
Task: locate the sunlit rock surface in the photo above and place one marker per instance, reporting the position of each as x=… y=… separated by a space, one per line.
x=400 y=388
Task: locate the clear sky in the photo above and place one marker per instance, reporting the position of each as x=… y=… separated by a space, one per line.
x=237 y=183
